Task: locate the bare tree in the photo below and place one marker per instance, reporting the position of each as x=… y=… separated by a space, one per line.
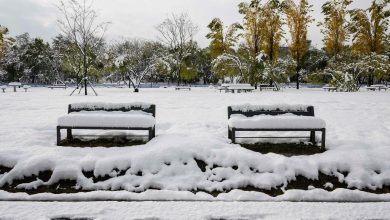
x=177 y=33
x=79 y=24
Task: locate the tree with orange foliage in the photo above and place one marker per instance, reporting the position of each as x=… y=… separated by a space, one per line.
x=335 y=26
x=298 y=19
x=369 y=28
x=369 y=31
x=253 y=32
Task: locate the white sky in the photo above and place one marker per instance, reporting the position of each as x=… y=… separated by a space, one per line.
x=136 y=18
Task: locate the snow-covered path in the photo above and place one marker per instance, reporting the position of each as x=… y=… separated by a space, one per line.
x=194 y=125
x=194 y=210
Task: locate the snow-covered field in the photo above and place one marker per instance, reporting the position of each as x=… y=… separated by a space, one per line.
x=193 y=210
x=193 y=125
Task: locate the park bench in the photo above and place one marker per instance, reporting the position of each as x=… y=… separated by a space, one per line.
x=15 y=84
x=378 y=87
x=330 y=88
x=108 y=116
x=274 y=118
x=236 y=88
x=183 y=88
x=57 y=86
x=26 y=87
x=3 y=88
x=268 y=87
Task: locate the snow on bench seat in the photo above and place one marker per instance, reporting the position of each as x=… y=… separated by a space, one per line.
x=132 y=119
x=284 y=121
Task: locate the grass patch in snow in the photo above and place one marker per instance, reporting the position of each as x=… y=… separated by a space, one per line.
x=286 y=149
x=116 y=141
x=4 y=169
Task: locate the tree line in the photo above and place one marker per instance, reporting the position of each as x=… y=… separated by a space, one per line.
x=356 y=48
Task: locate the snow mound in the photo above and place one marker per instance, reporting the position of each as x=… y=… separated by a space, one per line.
x=108 y=106
x=276 y=107
x=99 y=119
x=284 y=121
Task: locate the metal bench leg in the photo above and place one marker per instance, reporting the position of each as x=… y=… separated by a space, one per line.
x=69 y=134
x=58 y=135
x=229 y=133
x=151 y=135
x=313 y=137
x=323 y=140
x=233 y=135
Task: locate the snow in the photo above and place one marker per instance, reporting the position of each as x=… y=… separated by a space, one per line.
x=283 y=121
x=193 y=126
x=109 y=106
x=107 y=119
x=276 y=107
x=194 y=210
x=14 y=84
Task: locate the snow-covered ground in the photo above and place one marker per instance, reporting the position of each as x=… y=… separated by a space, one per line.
x=193 y=125
x=193 y=210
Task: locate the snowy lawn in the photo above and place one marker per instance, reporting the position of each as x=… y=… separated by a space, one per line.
x=193 y=210
x=191 y=151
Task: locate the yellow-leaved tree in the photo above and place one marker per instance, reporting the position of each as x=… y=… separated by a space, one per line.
x=298 y=19
x=223 y=39
x=335 y=26
x=369 y=34
x=369 y=28
x=253 y=32
x=272 y=32
x=5 y=41
x=225 y=63
x=272 y=29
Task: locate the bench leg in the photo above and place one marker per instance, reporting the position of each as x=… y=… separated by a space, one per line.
x=58 y=136
x=151 y=133
x=323 y=140
x=233 y=135
x=313 y=137
x=229 y=133
x=69 y=134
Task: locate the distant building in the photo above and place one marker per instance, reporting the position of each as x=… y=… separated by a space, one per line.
x=283 y=50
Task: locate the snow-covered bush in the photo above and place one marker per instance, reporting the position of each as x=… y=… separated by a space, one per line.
x=280 y=71
x=348 y=71
x=228 y=65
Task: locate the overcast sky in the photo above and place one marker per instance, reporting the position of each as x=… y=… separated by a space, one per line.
x=136 y=18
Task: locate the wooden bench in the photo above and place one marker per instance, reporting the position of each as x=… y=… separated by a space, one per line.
x=378 y=87
x=183 y=88
x=108 y=116
x=57 y=86
x=274 y=118
x=236 y=88
x=330 y=88
x=268 y=87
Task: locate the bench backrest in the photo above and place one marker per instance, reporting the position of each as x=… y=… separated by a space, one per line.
x=252 y=110
x=109 y=107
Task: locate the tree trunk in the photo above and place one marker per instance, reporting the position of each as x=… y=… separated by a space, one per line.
x=297 y=75
x=85 y=74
